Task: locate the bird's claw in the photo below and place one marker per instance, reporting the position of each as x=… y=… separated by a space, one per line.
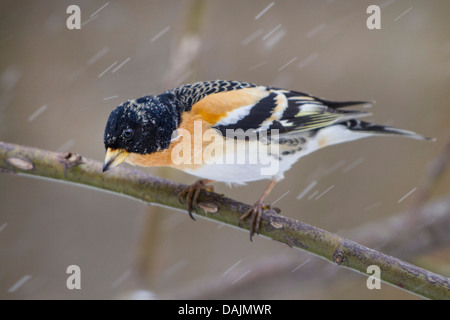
x=191 y=194
x=256 y=214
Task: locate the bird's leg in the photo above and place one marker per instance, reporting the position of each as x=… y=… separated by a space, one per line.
x=192 y=192
x=256 y=210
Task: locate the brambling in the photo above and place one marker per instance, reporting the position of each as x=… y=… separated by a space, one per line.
x=205 y=128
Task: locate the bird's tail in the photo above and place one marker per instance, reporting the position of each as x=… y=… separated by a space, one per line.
x=367 y=127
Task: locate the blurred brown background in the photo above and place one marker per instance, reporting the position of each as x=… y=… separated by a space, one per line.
x=56 y=95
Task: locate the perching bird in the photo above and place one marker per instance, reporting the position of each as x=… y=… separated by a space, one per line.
x=231 y=131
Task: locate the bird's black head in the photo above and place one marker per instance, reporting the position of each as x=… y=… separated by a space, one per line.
x=143 y=126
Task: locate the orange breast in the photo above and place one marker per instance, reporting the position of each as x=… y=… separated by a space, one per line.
x=184 y=151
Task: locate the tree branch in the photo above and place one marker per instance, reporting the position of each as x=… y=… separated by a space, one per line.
x=70 y=167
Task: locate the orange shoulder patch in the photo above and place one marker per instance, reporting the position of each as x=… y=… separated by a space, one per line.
x=217 y=106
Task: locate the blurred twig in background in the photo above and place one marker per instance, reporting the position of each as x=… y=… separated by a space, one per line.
x=70 y=167
x=435 y=172
x=183 y=54
x=186 y=47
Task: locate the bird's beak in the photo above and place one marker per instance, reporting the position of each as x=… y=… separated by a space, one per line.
x=113 y=158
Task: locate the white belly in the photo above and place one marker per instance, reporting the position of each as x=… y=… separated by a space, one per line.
x=245 y=161
x=262 y=163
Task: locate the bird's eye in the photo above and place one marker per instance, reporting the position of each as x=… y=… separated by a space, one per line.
x=127 y=134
